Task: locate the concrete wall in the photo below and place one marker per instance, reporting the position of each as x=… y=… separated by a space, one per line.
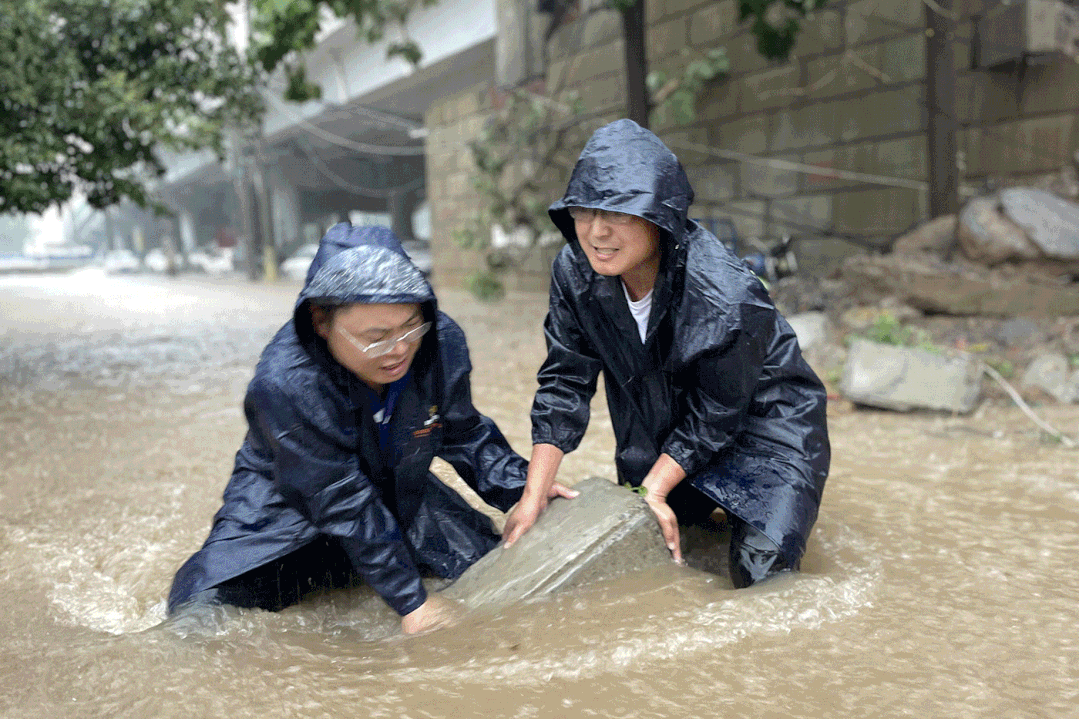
x=851 y=97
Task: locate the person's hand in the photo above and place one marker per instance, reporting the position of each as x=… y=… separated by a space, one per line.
x=660 y=480
x=529 y=509
x=436 y=613
x=668 y=523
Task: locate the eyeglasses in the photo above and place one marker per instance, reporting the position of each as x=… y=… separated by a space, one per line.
x=588 y=214
x=383 y=347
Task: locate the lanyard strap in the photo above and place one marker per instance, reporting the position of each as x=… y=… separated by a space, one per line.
x=384 y=411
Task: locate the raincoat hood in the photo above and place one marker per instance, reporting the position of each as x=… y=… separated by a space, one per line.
x=717 y=383
x=326 y=458
x=359 y=265
x=626 y=168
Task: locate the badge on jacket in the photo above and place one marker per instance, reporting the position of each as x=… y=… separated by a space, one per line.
x=430 y=424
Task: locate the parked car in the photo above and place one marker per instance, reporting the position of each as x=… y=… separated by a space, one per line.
x=212 y=261
x=121 y=262
x=295 y=267
x=156 y=260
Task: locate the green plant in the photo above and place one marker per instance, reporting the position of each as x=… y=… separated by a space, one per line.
x=888 y=330
x=776 y=24
x=283 y=30
x=676 y=98
x=922 y=340
x=526 y=148
x=92 y=92
x=1003 y=367
x=486 y=286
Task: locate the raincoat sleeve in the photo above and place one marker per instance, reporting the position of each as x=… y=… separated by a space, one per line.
x=322 y=479
x=471 y=442
x=721 y=382
x=567 y=378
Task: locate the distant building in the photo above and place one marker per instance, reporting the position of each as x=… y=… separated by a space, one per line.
x=829 y=146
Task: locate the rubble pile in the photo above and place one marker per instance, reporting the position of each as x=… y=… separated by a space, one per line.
x=996 y=285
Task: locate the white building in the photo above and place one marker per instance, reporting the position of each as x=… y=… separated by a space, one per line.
x=359 y=151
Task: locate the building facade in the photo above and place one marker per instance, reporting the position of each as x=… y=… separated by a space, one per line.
x=827 y=146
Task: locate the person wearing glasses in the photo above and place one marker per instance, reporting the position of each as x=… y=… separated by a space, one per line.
x=350 y=402
x=712 y=404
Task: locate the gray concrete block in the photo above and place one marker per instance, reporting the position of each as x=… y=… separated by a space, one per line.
x=1050 y=222
x=606 y=531
x=904 y=378
x=1051 y=373
x=811 y=328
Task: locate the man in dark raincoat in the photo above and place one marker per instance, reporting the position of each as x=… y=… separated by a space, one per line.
x=711 y=401
x=350 y=402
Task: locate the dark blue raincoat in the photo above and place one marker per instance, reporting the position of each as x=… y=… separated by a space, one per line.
x=311 y=466
x=719 y=383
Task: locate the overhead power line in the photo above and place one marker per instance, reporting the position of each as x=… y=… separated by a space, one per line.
x=801 y=167
x=378 y=193
x=361 y=147
x=380 y=116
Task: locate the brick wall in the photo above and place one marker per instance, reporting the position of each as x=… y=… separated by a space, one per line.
x=851 y=97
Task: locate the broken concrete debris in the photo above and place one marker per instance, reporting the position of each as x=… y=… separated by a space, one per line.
x=1052 y=374
x=987 y=236
x=906 y=378
x=604 y=532
x=1051 y=223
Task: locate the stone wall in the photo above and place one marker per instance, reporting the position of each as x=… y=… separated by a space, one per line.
x=851 y=97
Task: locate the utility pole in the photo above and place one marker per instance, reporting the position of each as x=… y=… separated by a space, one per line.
x=265 y=214
x=110 y=230
x=941 y=145
x=245 y=167
x=636 y=63
x=242 y=188
x=250 y=187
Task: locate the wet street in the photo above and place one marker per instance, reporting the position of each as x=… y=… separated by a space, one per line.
x=940 y=581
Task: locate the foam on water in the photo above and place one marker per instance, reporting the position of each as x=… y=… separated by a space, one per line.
x=689 y=619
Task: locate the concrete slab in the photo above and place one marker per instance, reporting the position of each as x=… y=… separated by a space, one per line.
x=959 y=288
x=606 y=531
x=905 y=378
x=1050 y=222
x=1052 y=373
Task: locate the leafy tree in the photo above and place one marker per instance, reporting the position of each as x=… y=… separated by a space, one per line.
x=285 y=28
x=90 y=88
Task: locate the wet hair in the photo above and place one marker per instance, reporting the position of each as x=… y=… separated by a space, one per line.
x=329 y=309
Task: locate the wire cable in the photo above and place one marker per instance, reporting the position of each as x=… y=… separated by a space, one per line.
x=361 y=147
x=344 y=184
x=801 y=167
x=385 y=118
x=954 y=122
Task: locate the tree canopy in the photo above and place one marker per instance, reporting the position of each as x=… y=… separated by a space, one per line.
x=90 y=88
x=285 y=28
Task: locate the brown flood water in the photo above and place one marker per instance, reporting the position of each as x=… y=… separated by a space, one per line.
x=941 y=579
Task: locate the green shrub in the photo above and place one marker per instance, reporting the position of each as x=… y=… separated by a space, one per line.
x=486 y=287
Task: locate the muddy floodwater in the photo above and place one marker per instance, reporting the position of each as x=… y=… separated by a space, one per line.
x=941 y=579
